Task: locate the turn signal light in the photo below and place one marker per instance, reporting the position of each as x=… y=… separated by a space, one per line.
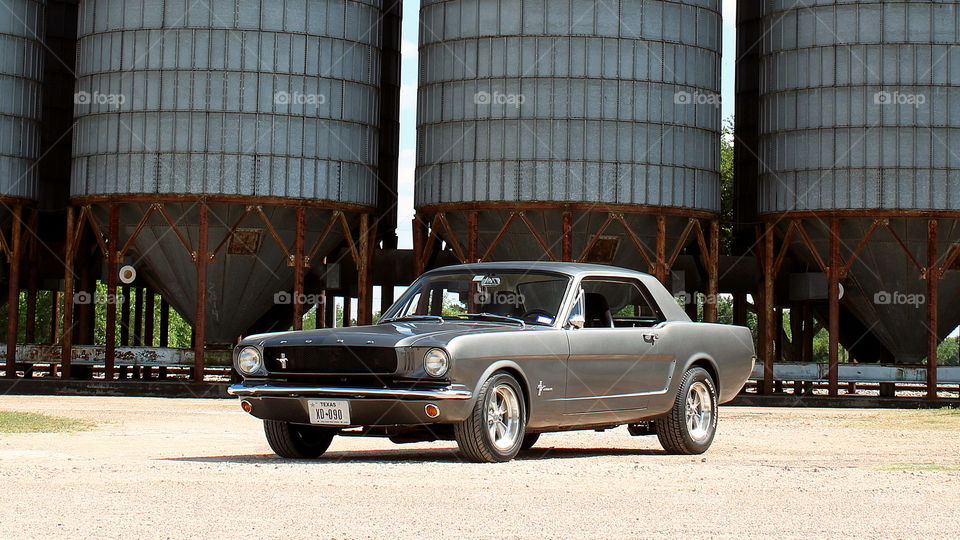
x=246 y=406
x=432 y=410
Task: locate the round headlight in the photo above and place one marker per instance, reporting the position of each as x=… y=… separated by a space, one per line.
x=436 y=362
x=249 y=360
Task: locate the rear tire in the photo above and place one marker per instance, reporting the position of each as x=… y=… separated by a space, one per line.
x=690 y=426
x=297 y=441
x=494 y=430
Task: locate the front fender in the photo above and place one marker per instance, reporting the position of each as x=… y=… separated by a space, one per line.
x=502 y=365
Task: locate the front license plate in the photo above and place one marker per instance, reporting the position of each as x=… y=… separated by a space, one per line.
x=329 y=412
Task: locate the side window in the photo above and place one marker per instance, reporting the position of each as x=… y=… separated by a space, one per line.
x=618 y=303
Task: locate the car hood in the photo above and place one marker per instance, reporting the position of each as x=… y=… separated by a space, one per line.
x=392 y=334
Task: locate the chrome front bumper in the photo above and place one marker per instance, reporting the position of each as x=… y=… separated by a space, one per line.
x=267 y=390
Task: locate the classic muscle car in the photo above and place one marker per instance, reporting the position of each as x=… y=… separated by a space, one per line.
x=494 y=354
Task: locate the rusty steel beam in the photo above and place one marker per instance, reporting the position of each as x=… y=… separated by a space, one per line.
x=713 y=273
x=216 y=199
x=766 y=306
x=199 y=330
x=364 y=282
x=833 y=298
x=66 y=328
x=567 y=247
x=472 y=235
x=149 y=317
x=113 y=268
x=563 y=206
x=138 y=319
x=33 y=278
x=661 y=267
x=13 y=291
x=298 y=268
x=419 y=244
x=125 y=316
x=329 y=310
x=933 y=279
x=347 y=311
x=164 y=323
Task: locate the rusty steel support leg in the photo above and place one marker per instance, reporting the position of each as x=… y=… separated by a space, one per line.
x=13 y=292
x=329 y=310
x=692 y=307
x=661 y=264
x=365 y=269
x=113 y=268
x=567 y=248
x=347 y=311
x=419 y=244
x=84 y=309
x=33 y=278
x=138 y=319
x=740 y=309
x=55 y=298
x=125 y=316
x=298 y=269
x=765 y=308
x=933 y=279
x=833 y=297
x=66 y=327
x=200 y=324
x=149 y=317
x=387 y=297
x=807 y=344
x=713 y=274
x=164 y=333
x=473 y=233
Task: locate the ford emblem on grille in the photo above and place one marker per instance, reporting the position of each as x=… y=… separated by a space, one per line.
x=282 y=360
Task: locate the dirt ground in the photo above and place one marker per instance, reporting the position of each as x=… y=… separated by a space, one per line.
x=178 y=468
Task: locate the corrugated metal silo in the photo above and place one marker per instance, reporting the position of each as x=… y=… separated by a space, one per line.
x=273 y=104
x=860 y=120
x=584 y=107
x=21 y=73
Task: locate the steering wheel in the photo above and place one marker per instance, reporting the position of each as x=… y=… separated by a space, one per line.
x=533 y=313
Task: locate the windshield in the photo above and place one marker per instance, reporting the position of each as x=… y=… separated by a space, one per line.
x=503 y=296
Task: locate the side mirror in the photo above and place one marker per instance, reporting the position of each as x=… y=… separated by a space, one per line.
x=577 y=320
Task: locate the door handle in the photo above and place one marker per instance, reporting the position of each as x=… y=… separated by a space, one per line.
x=651 y=338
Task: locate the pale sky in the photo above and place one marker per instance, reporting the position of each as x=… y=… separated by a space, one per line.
x=408 y=103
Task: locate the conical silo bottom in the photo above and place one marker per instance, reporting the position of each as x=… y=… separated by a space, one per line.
x=249 y=273
x=595 y=237
x=883 y=288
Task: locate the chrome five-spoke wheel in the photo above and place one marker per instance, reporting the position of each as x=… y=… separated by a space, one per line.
x=699 y=412
x=503 y=417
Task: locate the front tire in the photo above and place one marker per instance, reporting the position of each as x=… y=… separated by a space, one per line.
x=297 y=441
x=494 y=430
x=690 y=426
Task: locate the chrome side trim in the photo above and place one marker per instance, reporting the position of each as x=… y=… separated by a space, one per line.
x=449 y=392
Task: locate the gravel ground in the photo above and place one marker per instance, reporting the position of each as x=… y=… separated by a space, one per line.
x=177 y=468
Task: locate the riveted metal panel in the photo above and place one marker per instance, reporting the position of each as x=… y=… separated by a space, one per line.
x=860 y=106
x=569 y=101
x=257 y=98
x=21 y=73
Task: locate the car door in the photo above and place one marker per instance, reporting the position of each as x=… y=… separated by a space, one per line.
x=616 y=359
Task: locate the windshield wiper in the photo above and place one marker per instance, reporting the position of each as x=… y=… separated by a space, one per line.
x=495 y=317
x=437 y=318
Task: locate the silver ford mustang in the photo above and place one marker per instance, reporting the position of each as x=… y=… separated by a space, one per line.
x=493 y=354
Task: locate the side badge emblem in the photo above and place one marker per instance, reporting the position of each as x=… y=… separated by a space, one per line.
x=541 y=388
x=282 y=360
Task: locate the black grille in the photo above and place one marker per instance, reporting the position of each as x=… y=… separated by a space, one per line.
x=338 y=360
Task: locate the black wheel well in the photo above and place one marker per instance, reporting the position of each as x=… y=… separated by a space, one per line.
x=710 y=368
x=524 y=387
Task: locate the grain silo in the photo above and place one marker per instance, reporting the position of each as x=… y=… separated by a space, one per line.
x=21 y=74
x=859 y=125
x=576 y=130
x=229 y=143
